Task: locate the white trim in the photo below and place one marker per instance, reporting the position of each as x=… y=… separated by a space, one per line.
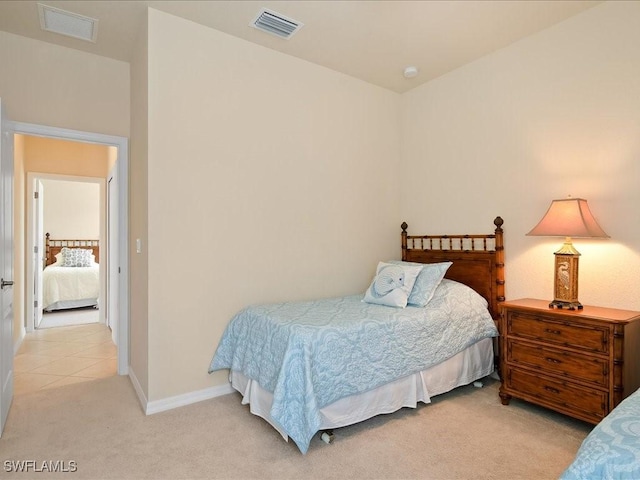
x=177 y=401
x=122 y=143
x=18 y=342
x=142 y=398
x=170 y=403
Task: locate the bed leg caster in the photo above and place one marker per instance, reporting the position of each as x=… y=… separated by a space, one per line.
x=326 y=436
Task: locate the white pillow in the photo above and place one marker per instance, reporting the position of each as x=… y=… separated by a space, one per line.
x=76 y=257
x=59 y=259
x=392 y=284
x=428 y=280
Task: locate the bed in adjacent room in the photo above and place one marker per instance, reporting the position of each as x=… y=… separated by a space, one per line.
x=71 y=277
x=425 y=326
x=612 y=448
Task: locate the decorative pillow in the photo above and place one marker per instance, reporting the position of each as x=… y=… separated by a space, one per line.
x=428 y=280
x=76 y=257
x=392 y=284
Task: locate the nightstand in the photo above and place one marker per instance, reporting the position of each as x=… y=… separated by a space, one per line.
x=578 y=362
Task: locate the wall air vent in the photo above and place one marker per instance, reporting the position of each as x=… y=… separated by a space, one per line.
x=66 y=23
x=276 y=24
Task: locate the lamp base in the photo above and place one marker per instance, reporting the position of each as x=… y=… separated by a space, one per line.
x=565 y=294
x=565 y=305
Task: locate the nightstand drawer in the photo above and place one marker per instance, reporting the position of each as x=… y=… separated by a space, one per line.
x=538 y=327
x=559 y=362
x=588 y=404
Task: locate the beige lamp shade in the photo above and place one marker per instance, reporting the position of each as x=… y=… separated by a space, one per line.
x=569 y=217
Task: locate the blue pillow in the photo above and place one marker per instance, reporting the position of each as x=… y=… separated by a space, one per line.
x=428 y=280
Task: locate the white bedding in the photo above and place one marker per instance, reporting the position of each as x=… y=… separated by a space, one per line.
x=75 y=286
x=471 y=364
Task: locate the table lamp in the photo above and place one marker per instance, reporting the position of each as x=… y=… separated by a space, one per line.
x=568 y=218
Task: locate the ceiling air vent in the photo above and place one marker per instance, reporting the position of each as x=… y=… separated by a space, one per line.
x=67 y=23
x=276 y=24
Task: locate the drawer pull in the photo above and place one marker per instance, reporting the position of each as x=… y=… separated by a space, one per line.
x=553 y=360
x=551 y=389
x=555 y=332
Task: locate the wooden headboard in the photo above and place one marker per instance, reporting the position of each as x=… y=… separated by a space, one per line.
x=53 y=247
x=478 y=260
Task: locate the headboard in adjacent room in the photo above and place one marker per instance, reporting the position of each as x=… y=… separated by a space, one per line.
x=53 y=247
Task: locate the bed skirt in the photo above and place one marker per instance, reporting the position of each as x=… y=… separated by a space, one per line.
x=67 y=304
x=463 y=368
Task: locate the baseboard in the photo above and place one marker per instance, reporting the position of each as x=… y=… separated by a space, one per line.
x=142 y=398
x=170 y=403
x=18 y=342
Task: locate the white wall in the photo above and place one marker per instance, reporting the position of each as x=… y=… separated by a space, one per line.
x=557 y=113
x=270 y=179
x=71 y=209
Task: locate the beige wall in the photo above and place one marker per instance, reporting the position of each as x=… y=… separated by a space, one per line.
x=112 y=157
x=46 y=84
x=270 y=179
x=63 y=157
x=138 y=206
x=555 y=114
x=71 y=209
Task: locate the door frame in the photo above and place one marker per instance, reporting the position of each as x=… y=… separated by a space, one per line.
x=122 y=165
x=7 y=270
x=30 y=277
x=34 y=221
x=111 y=232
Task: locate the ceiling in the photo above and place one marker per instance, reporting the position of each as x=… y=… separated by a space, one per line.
x=370 y=40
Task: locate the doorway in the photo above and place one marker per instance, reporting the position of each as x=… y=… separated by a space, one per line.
x=71 y=210
x=118 y=286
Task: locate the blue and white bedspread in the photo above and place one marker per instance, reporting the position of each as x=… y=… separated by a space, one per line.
x=313 y=353
x=310 y=354
x=612 y=449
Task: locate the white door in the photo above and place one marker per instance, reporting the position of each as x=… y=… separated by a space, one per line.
x=38 y=252
x=112 y=255
x=6 y=268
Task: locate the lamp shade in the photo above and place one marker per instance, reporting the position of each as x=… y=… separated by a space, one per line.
x=569 y=217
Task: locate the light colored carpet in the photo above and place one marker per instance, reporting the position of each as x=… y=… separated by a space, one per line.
x=63 y=318
x=465 y=434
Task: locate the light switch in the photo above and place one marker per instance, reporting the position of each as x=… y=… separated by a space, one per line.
x=138 y=245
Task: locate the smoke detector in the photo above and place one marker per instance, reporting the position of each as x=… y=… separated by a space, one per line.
x=276 y=24
x=410 y=72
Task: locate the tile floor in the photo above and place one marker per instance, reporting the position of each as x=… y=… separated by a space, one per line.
x=54 y=357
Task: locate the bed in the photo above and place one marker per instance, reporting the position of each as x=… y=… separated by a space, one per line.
x=612 y=448
x=309 y=367
x=71 y=275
